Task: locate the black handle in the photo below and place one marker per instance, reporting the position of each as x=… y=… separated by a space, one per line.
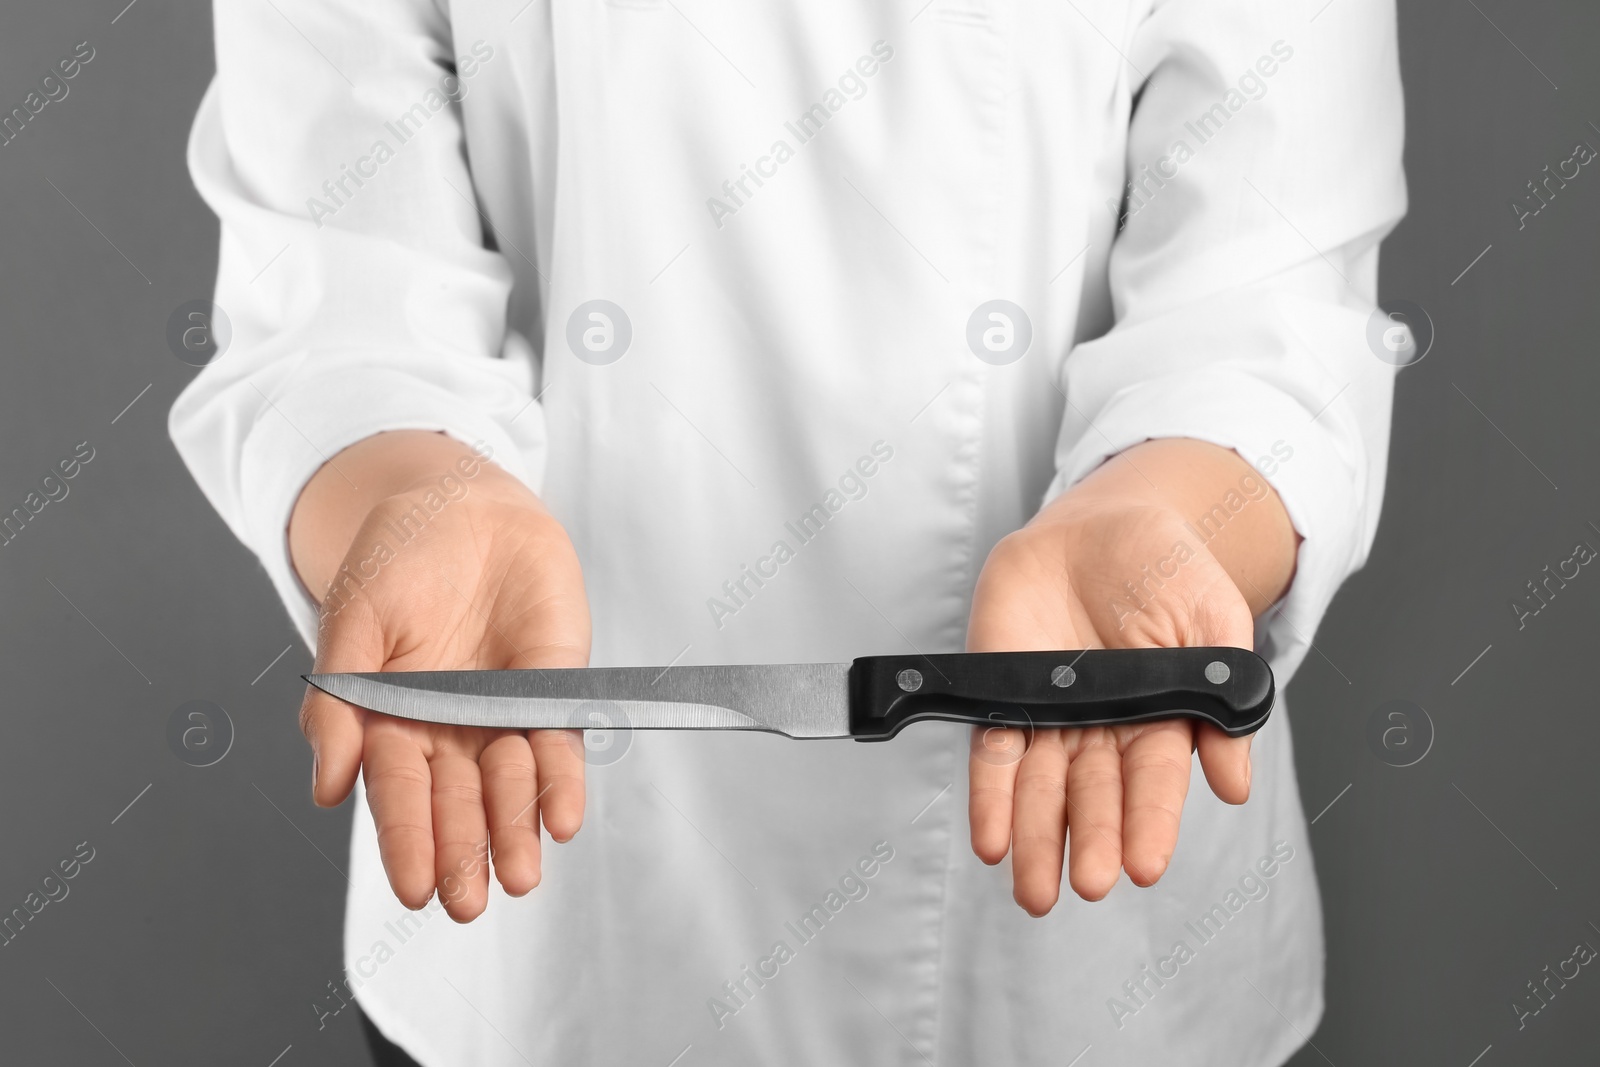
x=1229 y=687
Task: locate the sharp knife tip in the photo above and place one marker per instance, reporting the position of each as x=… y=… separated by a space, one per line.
x=334 y=684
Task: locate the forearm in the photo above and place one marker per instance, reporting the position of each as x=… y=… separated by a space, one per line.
x=1230 y=508
x=340 y=496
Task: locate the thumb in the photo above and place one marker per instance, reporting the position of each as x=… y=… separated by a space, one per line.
x=349 y=639
x=1225 y=760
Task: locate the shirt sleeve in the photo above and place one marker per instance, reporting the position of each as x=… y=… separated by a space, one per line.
x=1264 y=161
x=353 y=268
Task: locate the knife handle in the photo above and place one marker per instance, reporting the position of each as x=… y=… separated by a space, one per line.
x=1232 y=688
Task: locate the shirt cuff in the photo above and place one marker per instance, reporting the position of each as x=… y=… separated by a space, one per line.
x=300 y=430
x=1280 y=440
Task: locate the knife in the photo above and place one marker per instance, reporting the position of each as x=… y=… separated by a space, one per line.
x=869 y=699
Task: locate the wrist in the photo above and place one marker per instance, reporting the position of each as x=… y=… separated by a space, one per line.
x=371 y=474
x=1221 y=503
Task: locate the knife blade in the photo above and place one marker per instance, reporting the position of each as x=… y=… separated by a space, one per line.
x=869 y=699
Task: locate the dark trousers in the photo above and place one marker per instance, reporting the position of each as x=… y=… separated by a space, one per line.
x=385 y=1053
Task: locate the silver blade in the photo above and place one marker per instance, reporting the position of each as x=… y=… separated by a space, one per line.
x=794 y=699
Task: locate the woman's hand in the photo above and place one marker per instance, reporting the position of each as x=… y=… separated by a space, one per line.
x=1117 y=562
x=428 y=567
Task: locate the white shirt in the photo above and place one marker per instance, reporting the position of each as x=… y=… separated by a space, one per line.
x=784 y=331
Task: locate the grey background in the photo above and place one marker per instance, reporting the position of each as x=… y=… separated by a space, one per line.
x=208 y=920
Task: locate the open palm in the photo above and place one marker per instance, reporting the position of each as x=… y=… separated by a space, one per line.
x=489 y=582
x=1113 y=795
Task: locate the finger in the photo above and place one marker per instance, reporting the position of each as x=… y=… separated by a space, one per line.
x=348 y=639
x=399 y=787
x=997 y=625
x=1226 y=762
x=1040 y=823
x=509 y=799
x=334 y=729
x=1094 y=814
x=554 y=636
x=992 y=774
x=460 y=833
x=558 y=763
x=1155 y=771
